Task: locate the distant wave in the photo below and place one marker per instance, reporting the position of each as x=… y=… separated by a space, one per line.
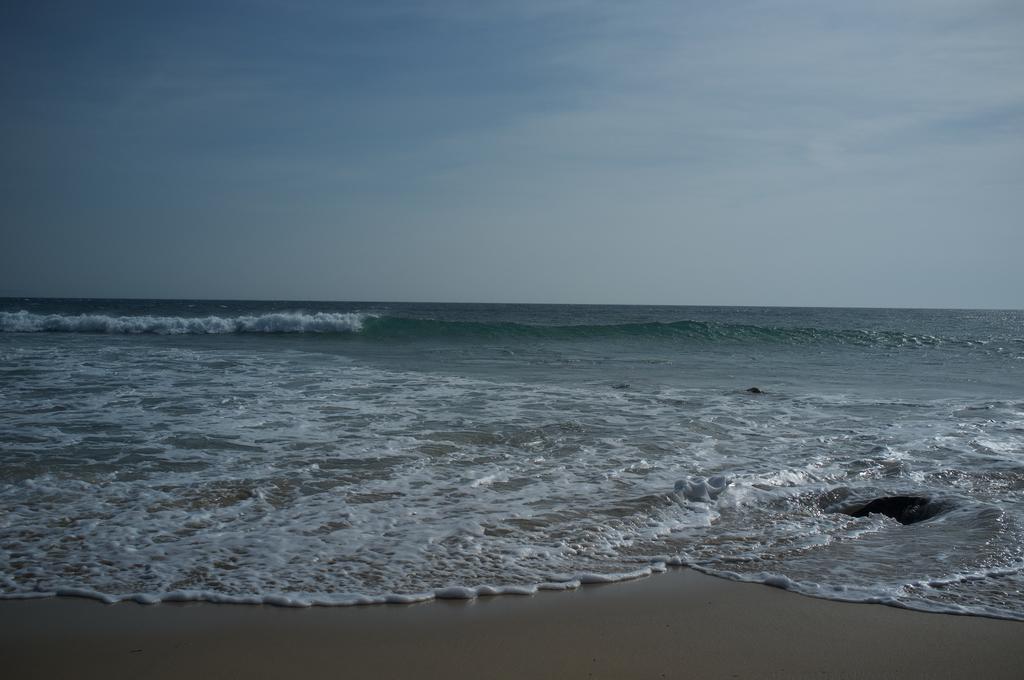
x=282 y=322
x=692 y=331
x=402 y=328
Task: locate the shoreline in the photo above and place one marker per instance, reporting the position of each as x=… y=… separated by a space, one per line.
x=678 y=624
x=483 y=592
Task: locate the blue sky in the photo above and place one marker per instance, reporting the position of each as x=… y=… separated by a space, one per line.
x=753 y=153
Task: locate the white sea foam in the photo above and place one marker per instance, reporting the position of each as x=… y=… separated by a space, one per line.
x=281 y=322
x=151 y=473
x=702 y=490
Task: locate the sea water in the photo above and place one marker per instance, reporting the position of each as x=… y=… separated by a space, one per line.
x=340 y=453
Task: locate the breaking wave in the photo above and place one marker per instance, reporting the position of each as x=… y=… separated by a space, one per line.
x=373 y=326
x=282 y=322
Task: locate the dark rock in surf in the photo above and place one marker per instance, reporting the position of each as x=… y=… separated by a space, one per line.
x=754 y=390
x=620 y=386
x=903 y=509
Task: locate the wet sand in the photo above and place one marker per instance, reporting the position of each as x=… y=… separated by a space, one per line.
x=675 y=625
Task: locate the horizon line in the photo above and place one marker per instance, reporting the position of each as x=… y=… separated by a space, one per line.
x=537 y=304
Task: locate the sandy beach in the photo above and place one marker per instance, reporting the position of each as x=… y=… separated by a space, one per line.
x=679 y=624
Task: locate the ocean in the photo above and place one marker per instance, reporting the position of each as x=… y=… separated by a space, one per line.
x=313 y=453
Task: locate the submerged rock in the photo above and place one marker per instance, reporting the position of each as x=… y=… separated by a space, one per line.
x=903 y=509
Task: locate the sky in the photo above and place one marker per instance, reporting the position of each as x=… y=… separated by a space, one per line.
x=568 y=151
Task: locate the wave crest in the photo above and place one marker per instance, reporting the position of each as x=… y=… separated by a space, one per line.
x=400 y=328
x=279 y=322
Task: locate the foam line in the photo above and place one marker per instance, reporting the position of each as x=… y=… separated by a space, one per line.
x=279 y=322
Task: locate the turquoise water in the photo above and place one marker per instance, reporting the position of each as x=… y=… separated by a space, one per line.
x=334 y=453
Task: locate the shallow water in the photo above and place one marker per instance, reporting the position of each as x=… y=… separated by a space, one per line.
x=302 y=453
